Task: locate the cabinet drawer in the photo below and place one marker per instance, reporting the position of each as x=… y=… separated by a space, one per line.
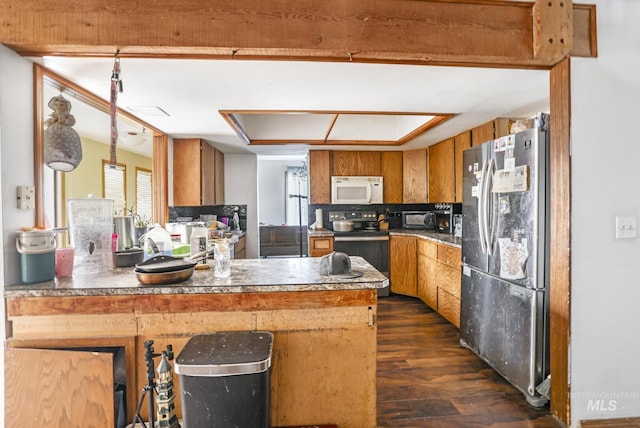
x=448 y=279
x=449 y=255
x=427 y=248
x=319 y=246
x=449 y=307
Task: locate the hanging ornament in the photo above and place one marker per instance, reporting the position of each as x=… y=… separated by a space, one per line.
x=116 y=86
x=62 y=147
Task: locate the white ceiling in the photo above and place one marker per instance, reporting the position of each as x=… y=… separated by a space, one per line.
x=193 y=91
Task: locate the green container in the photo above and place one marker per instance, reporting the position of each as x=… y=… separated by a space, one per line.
x=37 y=267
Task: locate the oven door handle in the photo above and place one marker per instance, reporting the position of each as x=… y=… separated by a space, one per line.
x=359 y=238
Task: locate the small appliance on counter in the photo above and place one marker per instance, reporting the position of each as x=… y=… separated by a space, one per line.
x=424 y=220
x=36 y=251
x=444 y=214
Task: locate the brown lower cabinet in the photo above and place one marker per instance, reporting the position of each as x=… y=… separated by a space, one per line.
x=324 y=352
x=240 y=248
x=428 y=270
x=320 y=245
x=402 y=266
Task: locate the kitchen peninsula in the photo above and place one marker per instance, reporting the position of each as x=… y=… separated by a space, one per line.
x=324 y=352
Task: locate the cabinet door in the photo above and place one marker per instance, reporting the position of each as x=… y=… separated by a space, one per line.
x=442 y=171
x=462 y=142
x=449 y=307
x=414 y=176
x=482 y=133
x=186 y=172
x=219 y=178
x=319 y=177
x=427 y=287
x=427 y=255
x=58 y=388
x=208 y=174
x=240 y=248
x=502 y=126
x=358 y=163
x=391 y=168
x=403 y=265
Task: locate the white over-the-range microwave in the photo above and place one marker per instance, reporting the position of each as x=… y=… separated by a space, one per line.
x=356 y=190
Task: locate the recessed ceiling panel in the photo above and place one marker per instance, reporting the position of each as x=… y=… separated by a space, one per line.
x=330 y=127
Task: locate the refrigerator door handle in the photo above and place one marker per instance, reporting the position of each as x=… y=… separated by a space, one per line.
x=533 y=327
x=481 y=222
x=488 y=211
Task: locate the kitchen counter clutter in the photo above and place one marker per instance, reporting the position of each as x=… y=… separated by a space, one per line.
x=247 y=275
x=324 y=348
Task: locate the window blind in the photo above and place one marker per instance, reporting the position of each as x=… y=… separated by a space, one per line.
x=144 y=205
x=114 y=185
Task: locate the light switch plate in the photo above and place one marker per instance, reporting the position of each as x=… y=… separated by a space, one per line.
x=626 y=227
x=26 y=196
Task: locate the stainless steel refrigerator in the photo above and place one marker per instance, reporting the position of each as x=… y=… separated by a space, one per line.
x=505 y=245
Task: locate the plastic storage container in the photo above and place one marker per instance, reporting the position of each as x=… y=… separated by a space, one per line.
x=90 y=231
x=162 y=240
x=224 y=378
x=36 y=251
x=198 y=240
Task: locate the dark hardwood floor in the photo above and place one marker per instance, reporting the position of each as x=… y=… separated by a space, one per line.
x=426 y=379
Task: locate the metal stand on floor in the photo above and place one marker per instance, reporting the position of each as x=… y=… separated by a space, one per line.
x=149 y=355
x=300 y=197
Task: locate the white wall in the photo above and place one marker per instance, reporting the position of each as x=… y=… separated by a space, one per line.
x=271 y=188
x=605 y=180
x=240 y=187
x=16 y=167
x=272 y=198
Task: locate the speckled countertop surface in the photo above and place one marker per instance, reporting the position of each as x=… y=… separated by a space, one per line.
x=442 y=238
x=247 y=275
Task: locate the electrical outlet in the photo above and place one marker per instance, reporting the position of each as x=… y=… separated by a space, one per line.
x=626 y=227
x=26 y=196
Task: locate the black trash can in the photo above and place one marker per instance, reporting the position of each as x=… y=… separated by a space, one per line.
x=224 y=379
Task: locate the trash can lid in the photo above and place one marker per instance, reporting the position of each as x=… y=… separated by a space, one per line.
x=226 y=353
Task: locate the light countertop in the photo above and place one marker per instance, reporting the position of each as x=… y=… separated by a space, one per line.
x=442 y=238
x=247 y=275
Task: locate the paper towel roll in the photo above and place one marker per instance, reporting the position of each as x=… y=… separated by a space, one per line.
x=319 y=224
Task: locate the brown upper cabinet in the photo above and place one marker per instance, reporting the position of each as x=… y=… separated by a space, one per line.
x=198 y=173
x=441 y=169
x=324 y=163
x=495 y=129
x=414 y=177
x=319 y=177
x=391 y=165
x=419 y=176
x=355 y=163
x=462 y=142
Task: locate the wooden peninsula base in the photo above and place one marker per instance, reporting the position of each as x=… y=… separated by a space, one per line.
x=323 y=364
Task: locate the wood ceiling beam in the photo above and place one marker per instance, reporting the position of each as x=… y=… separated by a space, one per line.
x=454 y=32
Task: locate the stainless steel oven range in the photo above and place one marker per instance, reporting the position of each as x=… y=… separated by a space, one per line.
x=364 y=240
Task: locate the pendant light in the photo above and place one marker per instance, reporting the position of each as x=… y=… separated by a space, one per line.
x=62 y=147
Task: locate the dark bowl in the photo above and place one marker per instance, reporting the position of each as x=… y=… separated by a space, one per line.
x=128 y=258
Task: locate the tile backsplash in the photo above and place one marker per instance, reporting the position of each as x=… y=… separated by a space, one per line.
x=194 y=213
x=394 y=210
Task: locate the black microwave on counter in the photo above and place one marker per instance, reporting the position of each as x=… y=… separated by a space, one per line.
x=423 y=220
x=441 y=219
